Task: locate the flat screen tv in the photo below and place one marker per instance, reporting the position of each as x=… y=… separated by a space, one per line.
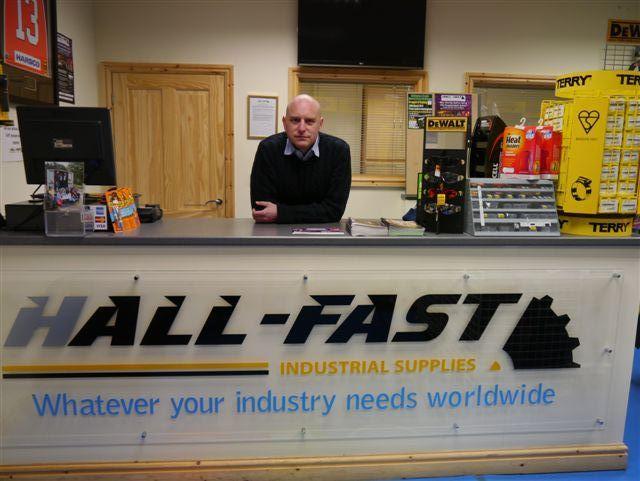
x=371 y=33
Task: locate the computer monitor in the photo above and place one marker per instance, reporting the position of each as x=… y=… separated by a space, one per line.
x=67 y=134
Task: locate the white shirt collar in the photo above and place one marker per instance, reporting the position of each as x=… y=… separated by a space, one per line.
x=290 y=149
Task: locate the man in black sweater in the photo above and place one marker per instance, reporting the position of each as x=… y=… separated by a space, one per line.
x=301 y=175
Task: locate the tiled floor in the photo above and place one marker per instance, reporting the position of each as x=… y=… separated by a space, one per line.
x=631 y=438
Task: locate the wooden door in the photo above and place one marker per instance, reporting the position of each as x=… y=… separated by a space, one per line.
x=171 y=140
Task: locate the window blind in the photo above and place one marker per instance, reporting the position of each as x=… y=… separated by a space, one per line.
x=384 y=130
x=371 y=118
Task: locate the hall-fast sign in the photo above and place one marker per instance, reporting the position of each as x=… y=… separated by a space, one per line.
x=370 y=322
x=342 y=355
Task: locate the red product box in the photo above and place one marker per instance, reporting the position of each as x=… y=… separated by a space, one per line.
x=550 y=144
x=520 y=153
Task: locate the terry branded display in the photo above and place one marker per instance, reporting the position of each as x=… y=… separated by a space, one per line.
x=598 y=177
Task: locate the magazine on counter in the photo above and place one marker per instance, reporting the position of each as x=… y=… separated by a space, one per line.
x=366 y=227
x=317 y=231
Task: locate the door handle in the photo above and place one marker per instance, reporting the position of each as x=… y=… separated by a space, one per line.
x=212 y=201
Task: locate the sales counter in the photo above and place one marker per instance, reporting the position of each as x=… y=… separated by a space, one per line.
x=226 y=349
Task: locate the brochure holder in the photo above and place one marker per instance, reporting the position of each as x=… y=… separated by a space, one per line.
x=64 y=199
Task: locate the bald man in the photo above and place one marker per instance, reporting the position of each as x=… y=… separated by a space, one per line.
x=301 y=175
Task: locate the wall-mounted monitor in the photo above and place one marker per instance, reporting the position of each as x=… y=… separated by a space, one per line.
x=371 y=33
x=28 y=48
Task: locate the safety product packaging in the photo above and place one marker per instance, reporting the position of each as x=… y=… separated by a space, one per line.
x=549 y=145
x=520 y=153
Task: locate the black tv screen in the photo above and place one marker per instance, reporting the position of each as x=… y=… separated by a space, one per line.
x=372 y=33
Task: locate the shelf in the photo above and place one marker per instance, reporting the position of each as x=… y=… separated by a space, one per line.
x=539 y=211
x=484 y=199
x=515 y=189
x=515 y=233
x=516 y=221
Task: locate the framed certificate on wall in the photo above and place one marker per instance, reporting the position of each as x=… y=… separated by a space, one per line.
x=262 y=116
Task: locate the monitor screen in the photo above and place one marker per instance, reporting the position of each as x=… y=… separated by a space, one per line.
x=373 y=33
x=67 y=134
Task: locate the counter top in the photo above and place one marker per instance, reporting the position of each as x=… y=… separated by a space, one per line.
x=244 y=232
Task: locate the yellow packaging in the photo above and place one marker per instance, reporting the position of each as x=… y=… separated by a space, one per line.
x=631 y=139
x=627 y=188
x=616 y=105
x=630 y=156
x=611 y=157
x=628 y=205
x=613 y=139
x=608 y=205
x=614 y=123
x=632 y=122
x=629 y=172
x=608 y=188
x=609 y=173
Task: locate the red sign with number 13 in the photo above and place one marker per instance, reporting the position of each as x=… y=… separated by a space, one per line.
x=25 y=36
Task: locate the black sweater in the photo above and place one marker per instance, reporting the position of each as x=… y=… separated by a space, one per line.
x=315 y=190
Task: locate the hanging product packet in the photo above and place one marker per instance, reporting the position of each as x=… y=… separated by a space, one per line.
x=548 y=145
x=520 y=153
x=122 y=209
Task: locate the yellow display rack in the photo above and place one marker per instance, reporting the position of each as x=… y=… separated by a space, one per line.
x=597 y=189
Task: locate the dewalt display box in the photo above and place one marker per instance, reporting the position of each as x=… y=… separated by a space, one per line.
x=597 y=190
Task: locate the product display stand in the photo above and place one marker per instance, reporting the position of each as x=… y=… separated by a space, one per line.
x=511 y=207
x=597 y=189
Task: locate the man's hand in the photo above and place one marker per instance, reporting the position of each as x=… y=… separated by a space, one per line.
x=268 y=214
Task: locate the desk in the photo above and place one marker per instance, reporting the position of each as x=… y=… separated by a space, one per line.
x=221 y=347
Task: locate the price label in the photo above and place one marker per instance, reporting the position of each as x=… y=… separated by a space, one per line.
x=26 y=37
